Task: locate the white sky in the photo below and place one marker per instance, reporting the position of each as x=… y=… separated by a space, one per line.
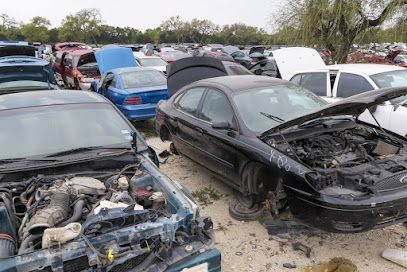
x=148 y=14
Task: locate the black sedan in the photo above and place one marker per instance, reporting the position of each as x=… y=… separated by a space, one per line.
x=273 y=141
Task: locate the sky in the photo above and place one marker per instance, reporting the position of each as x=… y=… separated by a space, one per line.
x=148 y=14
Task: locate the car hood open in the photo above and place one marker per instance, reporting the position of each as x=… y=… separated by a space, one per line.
x=292 y=59
x=116 y=57
x=354 y=105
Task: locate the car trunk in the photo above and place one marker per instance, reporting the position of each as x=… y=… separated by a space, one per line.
x=150 y=95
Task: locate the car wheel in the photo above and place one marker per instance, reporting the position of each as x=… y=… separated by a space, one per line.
x=245 y=208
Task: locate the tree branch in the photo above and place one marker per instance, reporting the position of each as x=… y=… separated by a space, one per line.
x=386 y=12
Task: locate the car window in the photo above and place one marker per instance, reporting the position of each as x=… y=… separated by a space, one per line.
x=314 y=82
x=263 y=108
x=189 y=102
x=216 y=108
x=351 y=84
x=269 y=66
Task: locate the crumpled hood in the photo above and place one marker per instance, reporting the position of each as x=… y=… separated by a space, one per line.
x=354 y=105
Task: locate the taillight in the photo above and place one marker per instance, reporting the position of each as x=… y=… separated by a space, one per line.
x=133 y=100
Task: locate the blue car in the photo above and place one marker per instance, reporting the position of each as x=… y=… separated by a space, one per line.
x=133 y=89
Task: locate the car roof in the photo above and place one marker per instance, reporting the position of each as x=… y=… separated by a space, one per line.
x=368 y=69
x=242 y=82
x=131 y=69
x=149 y=57
x=22 y=61
x=47 y=98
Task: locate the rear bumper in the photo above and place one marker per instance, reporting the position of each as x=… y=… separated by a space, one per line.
x=351 y=216
x=138 y=112
x=212 y=258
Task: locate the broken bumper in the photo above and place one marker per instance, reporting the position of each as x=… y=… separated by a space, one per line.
x=338 y=215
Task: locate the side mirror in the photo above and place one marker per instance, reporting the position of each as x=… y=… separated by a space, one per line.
x=258 y=72
x=223 y=125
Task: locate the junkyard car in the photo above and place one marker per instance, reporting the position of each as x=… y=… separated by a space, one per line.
x=335 y=172
x=152 y=62
x=25 y=73
x=335 y=82
x=134 y=90
x=79 y=192
x=76 y=68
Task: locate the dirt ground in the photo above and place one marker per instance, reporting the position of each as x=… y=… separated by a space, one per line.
x=246 y=246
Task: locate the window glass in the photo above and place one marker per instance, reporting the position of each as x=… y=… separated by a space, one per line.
x=189 y=102
x=143 y=78
x=351 y=84
x=391 y=79
x=314 y=82
x=216 y=108
x=49 y=129
x=274 y=105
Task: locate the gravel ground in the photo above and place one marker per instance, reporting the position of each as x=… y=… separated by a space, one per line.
x=246 y=246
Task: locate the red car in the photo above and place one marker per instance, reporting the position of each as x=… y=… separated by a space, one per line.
x=76 y=68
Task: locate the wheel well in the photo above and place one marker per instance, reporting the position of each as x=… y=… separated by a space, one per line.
x=165 y=134
x=257 y=179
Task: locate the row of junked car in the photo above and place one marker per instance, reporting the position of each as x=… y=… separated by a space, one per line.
x=80 y=189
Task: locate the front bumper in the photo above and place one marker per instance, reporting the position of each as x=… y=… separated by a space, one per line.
x=336 y=215
x=138 y=112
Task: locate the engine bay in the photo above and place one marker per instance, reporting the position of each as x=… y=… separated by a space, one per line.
x=355 y=160
x=46 y=211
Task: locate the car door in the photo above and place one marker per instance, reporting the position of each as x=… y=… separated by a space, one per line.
x=106 y=82
x=184 y=124
x=68 y=64
x=221 y=154
x=316 y=82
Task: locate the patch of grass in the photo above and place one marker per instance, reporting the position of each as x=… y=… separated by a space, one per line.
x=222 y=228
x=206 y=195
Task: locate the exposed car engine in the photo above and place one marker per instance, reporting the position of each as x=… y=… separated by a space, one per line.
x=353 y=161
x=45 y=211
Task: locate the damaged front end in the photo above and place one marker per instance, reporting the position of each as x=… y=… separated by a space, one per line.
x=353 y=176
x=134 y=219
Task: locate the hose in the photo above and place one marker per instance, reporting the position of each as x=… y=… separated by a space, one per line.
x=24 y=247
x=77 y=213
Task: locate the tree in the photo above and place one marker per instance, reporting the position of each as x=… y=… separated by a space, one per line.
x=9 y=28
x=201 y=30
x=81 y=26
x=335 y=24
x=241 y=34
x=36 y=30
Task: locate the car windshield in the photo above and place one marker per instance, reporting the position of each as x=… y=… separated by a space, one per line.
x=148 y=62
x=140 y=79
x=264 y=108
x=392 y=79
x=36 y=131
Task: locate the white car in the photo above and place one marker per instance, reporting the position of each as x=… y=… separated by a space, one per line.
x=334 y=82
x=153 y=62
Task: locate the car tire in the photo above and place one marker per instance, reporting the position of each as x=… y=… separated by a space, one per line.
x=239 y=212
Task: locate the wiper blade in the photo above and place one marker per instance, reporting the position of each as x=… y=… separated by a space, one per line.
x=272 y=117
x=85 y=149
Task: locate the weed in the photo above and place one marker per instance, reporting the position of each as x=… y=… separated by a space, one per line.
x=206 y=195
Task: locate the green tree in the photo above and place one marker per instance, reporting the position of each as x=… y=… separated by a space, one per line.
x=335 y=24
x=81 y=26
x=36 y=30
